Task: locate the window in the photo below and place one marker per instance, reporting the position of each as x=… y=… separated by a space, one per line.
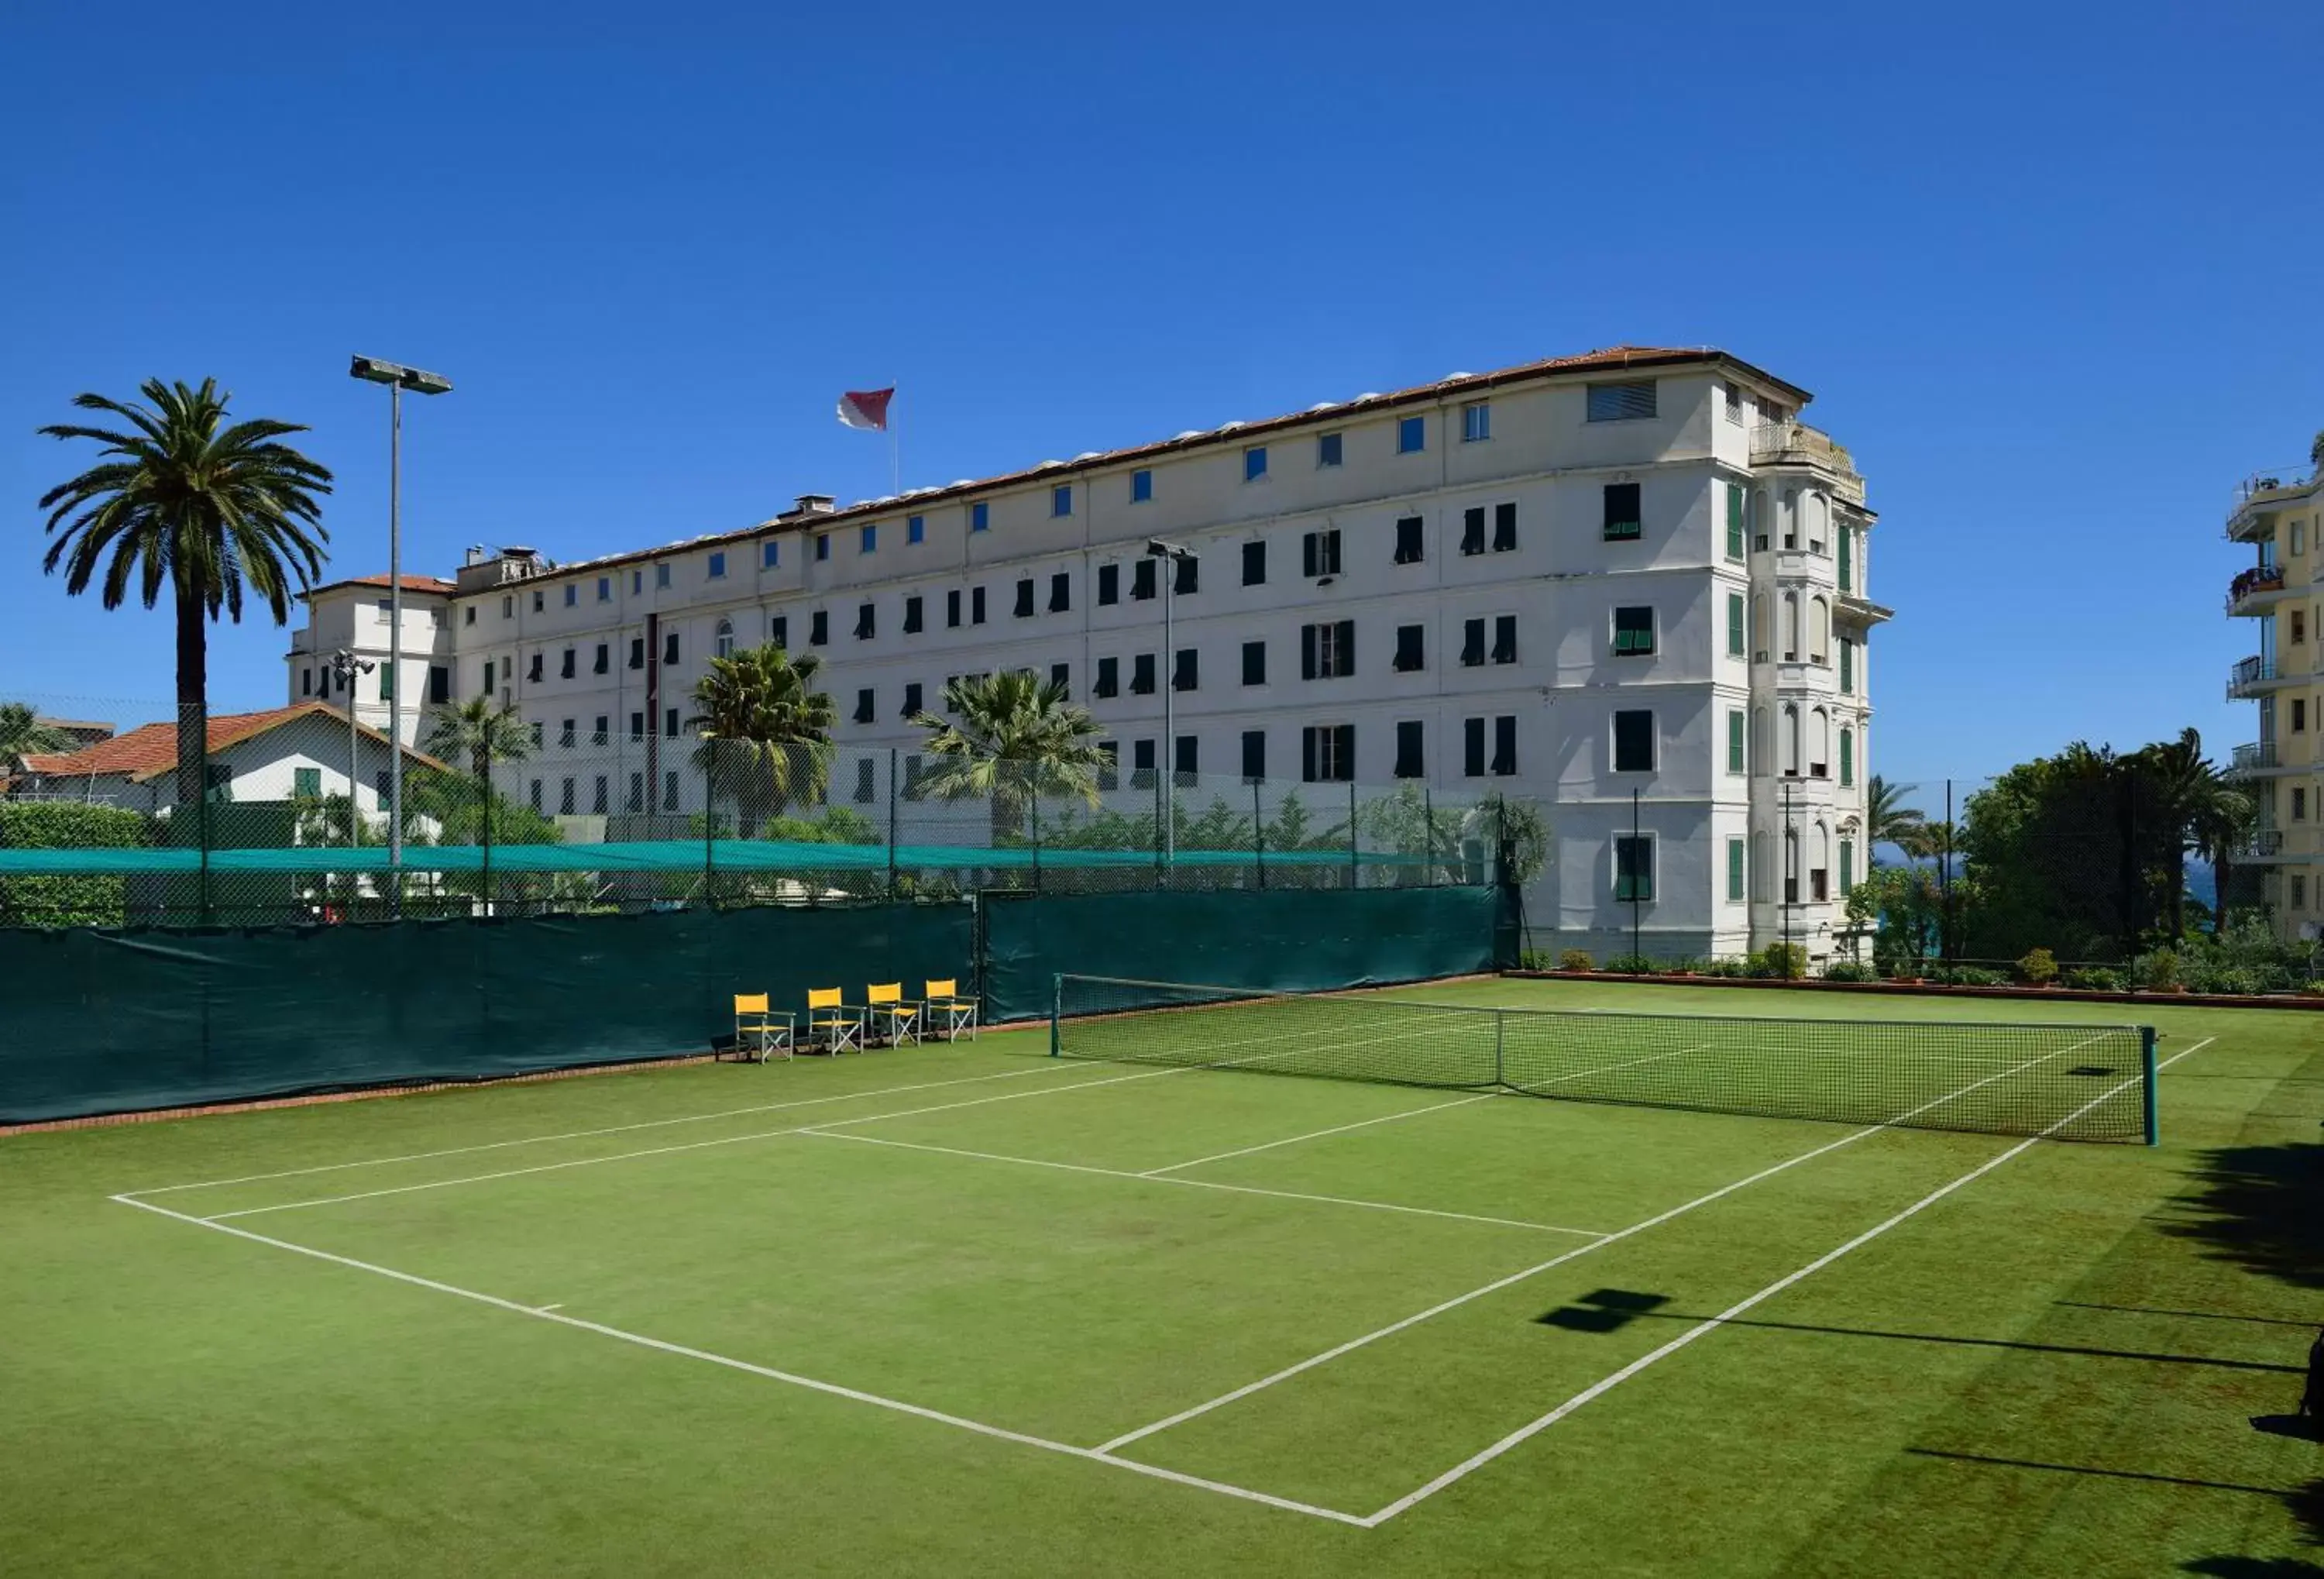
x=1327 y=449
x=1319 y=553
x=572 y=594
x=1634 y=741
x=637 y=583
x=976 y=606
x=531 y=670
x=306 y=682
x=599 y=802
x=718 y=564
x=1254 y=755
x=1408 y=659
x=1476 y=422
x=1061 y=676
x=1186 y=670
x=661 y=575
x=1254 y=463
x=912 y=703
x=468 y=614
x=916 y=529
x=1790 y=742
x=1733 y=400
x=1621 y=403
x=2298 y=626
x=822 y=545
x=1141 y=486
x=386 y=682
x=1634 y=865
x=670 y=791
x=2299 y=890
x=1109 y=764
x=1141 y=674
x=1141 y=762
x=980 y=517
x=1633 y=632
x=1411 y=759
x=818 y=628
x=2298 y=803
x=601 y=733
x=566 y=663
x=769 y=554
x=535 y=796
x=915 y=608
x=1411 y=435
x=669 y=722
x=508 y=605
x=1061 y=499
x=1791 y=627
x=1819 y=744
x=1189 y=576
x=1183 y=761
x=1109 y=678
x=439 y=680
x=722 y=639
x=307 y=782
x=1254 y=663
x=1409 y=529
x=1505 y=528
x=952 y=607
x=1327 y=752
x=1141 y=581
x=1819 y=630
x=1024 y=597
x=866 y=706
x=1735 y=520
x=1622 y=519
x=2299 y=714
x=1061 y=592
x=637 y=725
x=1734 y=624
x=1846 y=666
x=1847 y=867
x=637 y=801
x=566 y=735
x=1735 y=868
x=1472 y=644
x=1327 y=651
x=779 y=630
x=1472 y=530
x=1109 y=586
x=564 y=798
x=1847 y=756
x=1505 y=745
x=1736 y=754
x=1505 y=638
x=488 y=679
x=1473 y=748
x=1847 y=557
x=1254 y=563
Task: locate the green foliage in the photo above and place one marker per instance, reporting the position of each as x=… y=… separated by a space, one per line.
x=1905 y=906
x=1011 y=739
x=1524 y=831
x=2095 y=978
x=1780 y=961
x=1729 y=968
x=478 y=734
x=23 y=735
x=1849 y=970
x=765 y=732
x=1535 y=959
x=1576 y=959
x=2158 y=970
x=87 y=900
x=1971 y=975
x=2038 y=968
x=1631 y=964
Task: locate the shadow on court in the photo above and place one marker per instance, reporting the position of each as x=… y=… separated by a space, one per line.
x=2307 y=1505
x=2260 y=1208
x=1559 y=1318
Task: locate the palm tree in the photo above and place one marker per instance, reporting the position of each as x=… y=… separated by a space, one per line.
x=1012 y=738
x=765 y=731
x=1888 y=820
x=23 y=734
x=2198 y=801
x=182 y=500
x=479 y=732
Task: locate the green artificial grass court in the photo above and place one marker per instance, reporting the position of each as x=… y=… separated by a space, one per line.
x=970 y=1309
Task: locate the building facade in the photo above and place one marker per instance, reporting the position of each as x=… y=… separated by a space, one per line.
x=2281 y=594
x=1630 y=587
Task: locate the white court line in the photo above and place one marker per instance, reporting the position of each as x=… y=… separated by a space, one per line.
x=1200 y=1184
x=1047 y=1066
x=1495 y=1286
x=1598 y=1390
x=832 y=1388
x=1318 y=1134
x=668 y=1151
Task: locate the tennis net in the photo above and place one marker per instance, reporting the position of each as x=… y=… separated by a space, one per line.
x=2073 y=1082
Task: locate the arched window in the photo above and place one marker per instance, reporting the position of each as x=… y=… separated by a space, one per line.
x=1819 y=865
x=1763 y=743
x=725 y=638
x=1820 y=631
x=1791 y=866
x=1791 y=518
x=1819 y=744
x=1791 y=627
x=1791 y=741
x=1759 y=648
x=1757 y=520
x=1819 y=521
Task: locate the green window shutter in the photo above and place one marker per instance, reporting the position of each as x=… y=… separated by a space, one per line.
x=1847 y=757
x=1734 y=624
x=1847 y=556
x=1847 y=667
x=1735 y=867
x=1847 y=867
x=1734 y=520
x=387 y=682
x=1735 y=758
x=307 y=782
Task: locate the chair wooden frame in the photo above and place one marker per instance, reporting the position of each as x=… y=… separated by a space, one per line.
x=947 y=1011
x=832 y=1024
x=758 y=1025
x=891 y=1015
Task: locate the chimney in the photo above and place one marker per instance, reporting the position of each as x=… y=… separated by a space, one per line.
x=808 y=504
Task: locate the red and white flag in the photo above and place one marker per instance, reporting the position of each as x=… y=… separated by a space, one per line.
x=865 y=408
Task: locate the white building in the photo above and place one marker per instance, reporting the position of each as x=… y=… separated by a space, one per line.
x=304 y=750
x=1630 y=586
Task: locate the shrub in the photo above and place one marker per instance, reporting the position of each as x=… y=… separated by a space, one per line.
x=2159 y=972
x=1849 y=970
x=1974 y=976
x=1779 y=961
x=2038 y=968
x=82 y=900
x=2312 y=990
x=1631 y=964
x=1576 y=959
x=1535 y=959
x=1723 y=968
x=2095 y=978
x=2229 y=979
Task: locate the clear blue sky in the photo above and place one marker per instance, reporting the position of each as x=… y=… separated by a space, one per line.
x=2051 y=273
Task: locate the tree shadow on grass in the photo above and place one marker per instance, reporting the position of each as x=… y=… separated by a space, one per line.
x=2260 y=1208
x=2307 y=1505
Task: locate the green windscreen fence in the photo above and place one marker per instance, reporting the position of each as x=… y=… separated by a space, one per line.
x=97 y=1020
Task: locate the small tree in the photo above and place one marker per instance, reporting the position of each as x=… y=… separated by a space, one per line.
x=1012 y=738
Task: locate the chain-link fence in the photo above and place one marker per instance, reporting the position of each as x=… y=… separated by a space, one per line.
x=284 y=818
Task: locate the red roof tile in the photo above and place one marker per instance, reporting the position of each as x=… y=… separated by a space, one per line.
x=434 y=584
x=151 y=750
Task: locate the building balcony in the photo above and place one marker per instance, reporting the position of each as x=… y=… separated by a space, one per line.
x=1797 y=444
x=1855 y=609
x=2265 y=844
x=2254 y=590
x=2251 y=513
x=2253 y=676
x=2259 y=757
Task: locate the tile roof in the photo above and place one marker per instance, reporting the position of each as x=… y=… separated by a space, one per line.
x=151 y=750
x=435 y=584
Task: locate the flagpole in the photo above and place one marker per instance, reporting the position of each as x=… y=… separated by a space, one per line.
x=895 y=452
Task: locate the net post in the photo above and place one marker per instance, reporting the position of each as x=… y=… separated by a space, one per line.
x=2147 y=1085
x=1500 y=1021
x=1056 y=1012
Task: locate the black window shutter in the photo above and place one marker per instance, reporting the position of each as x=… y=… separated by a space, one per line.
x=1505 y=528
x=1345 y=739
x=1254 y=564
x=1472 y=530
x=1308 y=634
x=1308 y=755
x=1407 y=540
x=1505 y=744
x=976 y=606
x=1254 y=663
x=1307 y=552
x=1061 y=592
x=1190 y=577
x=1254 y=753
x=1109 y=584
x=952 y=607
x=1347 y=653
x=1141 y=581
x=1025 y=597
x=1473 y=747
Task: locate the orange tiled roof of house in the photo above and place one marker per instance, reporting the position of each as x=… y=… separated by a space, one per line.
x=151 y=750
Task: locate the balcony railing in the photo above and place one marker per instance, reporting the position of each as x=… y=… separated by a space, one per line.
x=2261 y=484
x=2253 y=758
x=2260 y=846
x=2250 y=672
x=1796 y=441
x=2250 y=583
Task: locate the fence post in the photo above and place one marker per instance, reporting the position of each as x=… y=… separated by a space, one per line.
x=202 y=808
x=1429 y=831
x=1056 y=1012
x=1033 y=800
x=2147 y=1085
x=1945 y=884
x=1258 y=833
x=1157 y=828
x=709 y=837
x=1355 y=864
x=891 y=823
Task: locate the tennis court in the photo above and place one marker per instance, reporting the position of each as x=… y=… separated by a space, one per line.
x=1165 y=1280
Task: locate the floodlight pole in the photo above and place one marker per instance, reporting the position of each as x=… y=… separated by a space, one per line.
x=1167 y=557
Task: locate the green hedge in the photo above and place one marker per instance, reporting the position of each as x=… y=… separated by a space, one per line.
x=67 y=825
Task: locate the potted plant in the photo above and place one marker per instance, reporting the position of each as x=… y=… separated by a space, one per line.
x=2038 y=968
x=1576 y=959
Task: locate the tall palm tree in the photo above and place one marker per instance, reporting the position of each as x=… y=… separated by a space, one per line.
x=23 y=734
x=183 y=501
x=1888 y=820
x=480 y=733
x=765 y=731
x=1012 y=737
x=2197 y=800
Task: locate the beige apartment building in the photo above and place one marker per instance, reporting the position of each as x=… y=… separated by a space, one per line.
x=2282 y=595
